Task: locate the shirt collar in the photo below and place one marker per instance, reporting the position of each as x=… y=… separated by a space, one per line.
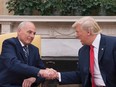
x=21 y=43
x=96 y=42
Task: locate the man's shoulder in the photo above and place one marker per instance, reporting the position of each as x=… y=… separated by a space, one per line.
x=12 y=40
x=108 y=39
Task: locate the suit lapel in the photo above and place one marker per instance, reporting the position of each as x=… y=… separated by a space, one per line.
x=87 y=56
x=20 y=49
x=30 y=54
x=85 y=61
x=101 y=52
x=101 y=48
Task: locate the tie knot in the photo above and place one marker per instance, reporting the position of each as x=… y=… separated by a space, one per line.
x=91 y=46
x=25 y=47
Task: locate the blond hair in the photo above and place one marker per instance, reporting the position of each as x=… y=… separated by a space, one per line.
x=88 y=24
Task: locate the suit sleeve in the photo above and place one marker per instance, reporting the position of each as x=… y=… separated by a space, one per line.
x=70 y=78
x=12 y=63
x=114 y=53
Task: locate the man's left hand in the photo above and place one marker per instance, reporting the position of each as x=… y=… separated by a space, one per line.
x=28 y=82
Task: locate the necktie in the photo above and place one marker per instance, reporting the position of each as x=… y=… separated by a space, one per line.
x=92 y=65
x=26 y=51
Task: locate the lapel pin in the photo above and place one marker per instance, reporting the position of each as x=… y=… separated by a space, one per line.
x=102 y=48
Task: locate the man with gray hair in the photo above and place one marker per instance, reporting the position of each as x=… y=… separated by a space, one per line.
x=20 y=63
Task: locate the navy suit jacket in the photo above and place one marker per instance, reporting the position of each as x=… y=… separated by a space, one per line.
x=106 y=61
x=13 y=66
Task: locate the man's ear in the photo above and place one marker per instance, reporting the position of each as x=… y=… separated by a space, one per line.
x=89 y=32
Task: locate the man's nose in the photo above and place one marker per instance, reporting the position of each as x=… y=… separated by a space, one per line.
x=32 y=35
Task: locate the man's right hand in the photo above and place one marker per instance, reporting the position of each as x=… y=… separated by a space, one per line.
x=48 y=73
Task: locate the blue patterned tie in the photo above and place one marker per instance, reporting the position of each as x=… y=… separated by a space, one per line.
x=26 y=51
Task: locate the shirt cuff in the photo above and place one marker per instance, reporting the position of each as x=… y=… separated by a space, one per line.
x=59 y=75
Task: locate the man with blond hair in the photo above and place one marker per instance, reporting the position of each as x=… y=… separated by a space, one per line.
x=97 y=57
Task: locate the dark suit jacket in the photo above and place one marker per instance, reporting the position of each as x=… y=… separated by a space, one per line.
x=106 y=60
x=13 y=66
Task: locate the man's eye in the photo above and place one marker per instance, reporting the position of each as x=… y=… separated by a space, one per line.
x=29 y=32
x=34 y=33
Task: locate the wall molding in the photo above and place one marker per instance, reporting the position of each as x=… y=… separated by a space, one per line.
x=53 y=18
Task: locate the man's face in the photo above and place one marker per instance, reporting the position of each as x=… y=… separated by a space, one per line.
x=26 y=34
x=82 y=35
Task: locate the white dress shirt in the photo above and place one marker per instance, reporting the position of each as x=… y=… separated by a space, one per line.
x=21 y=43
x=97 y=74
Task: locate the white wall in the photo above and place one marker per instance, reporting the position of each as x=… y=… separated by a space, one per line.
x=58 y=37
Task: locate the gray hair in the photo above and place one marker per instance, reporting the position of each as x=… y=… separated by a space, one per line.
x=22 y=24
x=88 y=24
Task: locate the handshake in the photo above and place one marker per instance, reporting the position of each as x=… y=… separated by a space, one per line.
x=48 y=73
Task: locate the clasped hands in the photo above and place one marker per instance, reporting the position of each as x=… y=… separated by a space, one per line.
x=48 y=73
